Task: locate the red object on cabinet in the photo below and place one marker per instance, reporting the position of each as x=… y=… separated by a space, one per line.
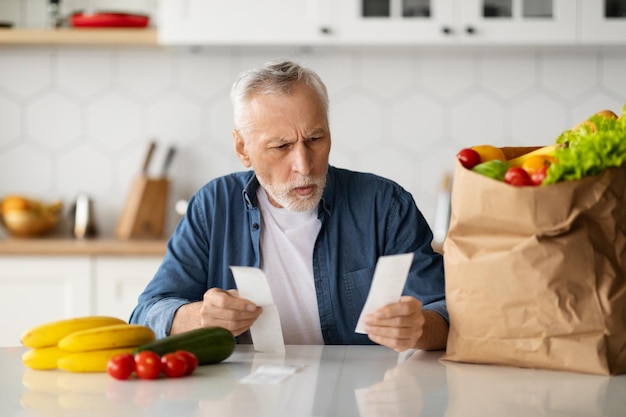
x=106 y=19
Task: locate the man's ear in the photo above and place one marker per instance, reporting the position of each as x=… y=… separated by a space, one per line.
x=241 y=151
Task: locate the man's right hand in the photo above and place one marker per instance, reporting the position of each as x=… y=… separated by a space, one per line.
x=226 y=309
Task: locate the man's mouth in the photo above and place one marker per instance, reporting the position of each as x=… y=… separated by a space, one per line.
x=304 y=191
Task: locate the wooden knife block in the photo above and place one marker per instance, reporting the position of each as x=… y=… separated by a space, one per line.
x=143 y=216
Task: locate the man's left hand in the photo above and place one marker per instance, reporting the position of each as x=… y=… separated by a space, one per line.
x=398 y=326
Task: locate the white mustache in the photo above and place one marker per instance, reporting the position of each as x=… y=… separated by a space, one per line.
x=304 y=182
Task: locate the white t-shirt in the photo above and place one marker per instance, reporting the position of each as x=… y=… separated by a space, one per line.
x=287 y=241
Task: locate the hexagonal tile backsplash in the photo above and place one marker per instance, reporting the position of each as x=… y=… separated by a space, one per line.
x=79 y=119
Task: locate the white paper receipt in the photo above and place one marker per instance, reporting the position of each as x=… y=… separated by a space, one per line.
x=271 y=374
x=387 y=285
x=267 y=335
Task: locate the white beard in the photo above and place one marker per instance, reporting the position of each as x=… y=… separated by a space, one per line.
x=281 y=193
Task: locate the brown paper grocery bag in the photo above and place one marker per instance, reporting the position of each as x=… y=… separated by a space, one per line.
x=535 y=276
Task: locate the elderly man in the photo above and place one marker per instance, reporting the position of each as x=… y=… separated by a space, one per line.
x=316 y=231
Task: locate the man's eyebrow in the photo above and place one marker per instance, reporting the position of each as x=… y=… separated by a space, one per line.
x=279 y=139
x=283 y=140
x=316 y=131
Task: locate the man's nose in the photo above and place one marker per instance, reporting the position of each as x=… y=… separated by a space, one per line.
x=302 y=159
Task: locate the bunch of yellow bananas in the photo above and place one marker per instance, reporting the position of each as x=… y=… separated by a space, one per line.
x=83 y=344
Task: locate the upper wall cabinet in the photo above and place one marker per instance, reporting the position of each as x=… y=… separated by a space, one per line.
x=392 y=22
x=603 y=21
x=456 y=21
x=243 y=22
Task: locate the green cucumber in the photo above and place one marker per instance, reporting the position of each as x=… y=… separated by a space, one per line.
x=209 y=344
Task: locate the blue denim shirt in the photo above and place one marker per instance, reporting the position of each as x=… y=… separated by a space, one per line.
x=363 y=216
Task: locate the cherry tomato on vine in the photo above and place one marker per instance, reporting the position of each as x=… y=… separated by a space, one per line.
x=121 y=366
x=190 y=358
x=468 y=157
x=173 y=365
x=147 y=365
x=517 y=176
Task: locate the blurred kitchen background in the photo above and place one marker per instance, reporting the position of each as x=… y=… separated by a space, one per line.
x=78 y=118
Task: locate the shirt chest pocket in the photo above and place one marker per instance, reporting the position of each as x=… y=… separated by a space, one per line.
x=356 y=286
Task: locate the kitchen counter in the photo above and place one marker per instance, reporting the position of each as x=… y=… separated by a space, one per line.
x=70 y=247
x=363 y=381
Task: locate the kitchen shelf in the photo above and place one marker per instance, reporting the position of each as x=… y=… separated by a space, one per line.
x=90 y=247
x=83 y=36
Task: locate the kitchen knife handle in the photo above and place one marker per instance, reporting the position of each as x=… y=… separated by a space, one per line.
x=171 y=151
x=148 y=158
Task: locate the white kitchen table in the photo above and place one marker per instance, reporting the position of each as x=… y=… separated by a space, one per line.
x=343 y=381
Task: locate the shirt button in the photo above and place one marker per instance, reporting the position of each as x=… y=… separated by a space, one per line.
x=255 y=226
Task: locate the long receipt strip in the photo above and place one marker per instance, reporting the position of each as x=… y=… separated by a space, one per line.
x=387 y=285
x=267 y=335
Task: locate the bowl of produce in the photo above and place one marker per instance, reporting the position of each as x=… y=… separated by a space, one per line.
x=26 y=217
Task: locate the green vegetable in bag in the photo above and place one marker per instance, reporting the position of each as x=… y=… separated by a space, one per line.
x=589 y=149
x=493 y=169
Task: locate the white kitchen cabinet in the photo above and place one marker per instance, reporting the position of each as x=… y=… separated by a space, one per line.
x=455 y=21
x=603 y=21
x=368 y=22
x=38 y=289
x=242 y=22
x=119 y=281
x=518 y=21
x=392 y=21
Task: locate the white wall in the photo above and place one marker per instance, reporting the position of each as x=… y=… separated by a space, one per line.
x=79 y=119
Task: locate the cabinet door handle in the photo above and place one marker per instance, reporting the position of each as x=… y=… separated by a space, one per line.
x=446 y=30
x=325 y=30
x=470 y=30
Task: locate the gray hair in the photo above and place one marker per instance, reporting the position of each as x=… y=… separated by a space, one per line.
x=273 y=78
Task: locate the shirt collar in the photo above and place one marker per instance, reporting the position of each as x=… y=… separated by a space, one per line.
x=249 y=192
x=329 y=191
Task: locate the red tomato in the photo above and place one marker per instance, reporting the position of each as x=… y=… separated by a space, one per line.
x=538 y=176
x=173 y=365
x=517 y=176
x=190 y=358
x=121 y=366
x=468 y=157
x=147 y=365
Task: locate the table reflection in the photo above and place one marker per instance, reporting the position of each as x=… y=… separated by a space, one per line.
x=56 y=393
x=529 y=392
x=350 y=381
x=293 y=394
x=323 y=387
x=346 y=381
x=413 y=387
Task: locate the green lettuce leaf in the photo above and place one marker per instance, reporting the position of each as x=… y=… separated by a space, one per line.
x=585 y=152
